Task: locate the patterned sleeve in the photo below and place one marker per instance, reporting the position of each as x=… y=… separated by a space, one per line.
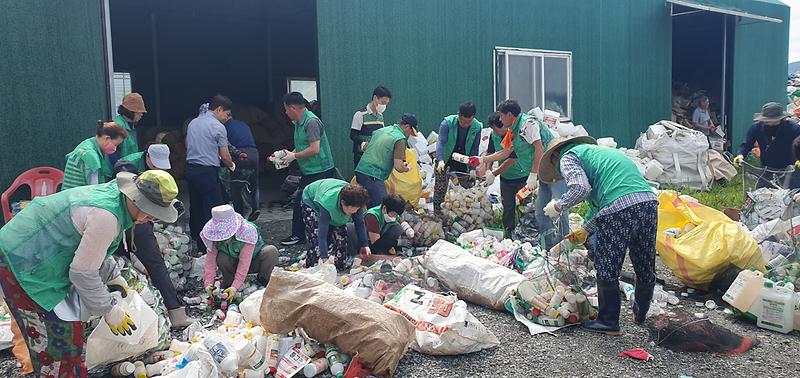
x=578 y=186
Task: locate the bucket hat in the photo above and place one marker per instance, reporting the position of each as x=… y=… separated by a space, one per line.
x=134 y=102
x=153 y=192
x=771 y=112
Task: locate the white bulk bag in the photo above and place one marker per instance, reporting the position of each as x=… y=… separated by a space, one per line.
x=682 y=152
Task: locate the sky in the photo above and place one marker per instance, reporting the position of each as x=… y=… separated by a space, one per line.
x=794 y=30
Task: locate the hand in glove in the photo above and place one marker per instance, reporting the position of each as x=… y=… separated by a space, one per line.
x=738 y=160
x=475 y=161
x=229 y=293
x=440 y=167
x=533 y=182
x=364 y=146
x=797 y=164
x=365 y=251
x=552 y=210
x=119 y=322
x=118 y=284
x=407 y=229
x=578 y=236
x=289 y=157
x=489 y=178
x=796 y=198
x=210 y=290
x=232 y=167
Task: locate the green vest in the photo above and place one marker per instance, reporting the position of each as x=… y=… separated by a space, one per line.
x=611 y=175
x=324 y=194
x=40 y=242
x=523 y=149
x=321 y=162
x=452 y=136
x=130 y=144
x=138 y=159
x=234 y=247
x=378 y=214
x=83 y=161
x=378 y=159
x=369 y=123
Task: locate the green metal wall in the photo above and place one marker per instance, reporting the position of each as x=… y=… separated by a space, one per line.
x=435 y=54
x=53 y=81
x=760 y=62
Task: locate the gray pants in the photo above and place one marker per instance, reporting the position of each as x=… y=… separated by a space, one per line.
x=261 y=264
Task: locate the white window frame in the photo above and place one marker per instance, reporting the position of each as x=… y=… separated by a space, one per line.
x=296 y=78
x=115 y=101
x=507 y=51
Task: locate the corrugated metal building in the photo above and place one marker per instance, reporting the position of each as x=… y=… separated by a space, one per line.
x=606 y=64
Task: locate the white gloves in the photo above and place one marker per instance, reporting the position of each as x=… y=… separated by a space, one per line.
x=738 y=160
x=232 y=167
x=364 y=146
x=289 y=157
x=489 y=178
x=119 y=322
x=551 y=210
x=533 y=182
x=407 y=229
x=440 y=167
x=796 y=198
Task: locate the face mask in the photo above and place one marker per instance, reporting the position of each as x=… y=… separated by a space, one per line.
x=381 y=108
x=109 y=149
x=387 y=218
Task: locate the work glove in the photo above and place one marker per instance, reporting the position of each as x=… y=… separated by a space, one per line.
x=243 y=155
x=738 y=160
x=210 y=290
x=229 y=293
x=288 y=158
x=489 y=177
x=578 y=237
x=796 y=198
x=440 y=167
x=407 y=229
x=364 y=146
x=797 y=164
x=533 y=182
x=232 y=167
x=119 y=322
x=365 y=251
x=552 y=210
x=475 y=161
x=118 y=284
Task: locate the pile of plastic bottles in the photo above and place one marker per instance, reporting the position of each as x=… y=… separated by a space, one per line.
x=175 y=246
x=465 y=210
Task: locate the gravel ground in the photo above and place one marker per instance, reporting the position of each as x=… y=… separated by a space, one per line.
x=573 y=352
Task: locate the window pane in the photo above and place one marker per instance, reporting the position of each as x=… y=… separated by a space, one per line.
x=556 y=85
x=538 y=96
x=122 y=86
x=500 y=79
x=521 y=80
x=307 y=87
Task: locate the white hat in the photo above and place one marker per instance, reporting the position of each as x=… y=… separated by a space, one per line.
x=159 y=156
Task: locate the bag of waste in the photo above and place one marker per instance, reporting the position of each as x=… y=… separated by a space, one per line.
x=250 y=308
x=407 y=184
x=329 y=315
x=103 y=347
x=682 y=333
x=707 y=241
x=443 y=324
x=472 y=278
x=682 y=151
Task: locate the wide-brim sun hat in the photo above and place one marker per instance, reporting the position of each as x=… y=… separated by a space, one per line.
x=223 y=224
x=153 y=192
x=771 y=112
x=547 y=169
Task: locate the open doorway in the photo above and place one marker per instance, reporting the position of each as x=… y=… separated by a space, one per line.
x=702 y=43
x=180 y=53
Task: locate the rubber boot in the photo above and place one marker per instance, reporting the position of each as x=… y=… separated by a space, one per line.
x=608 y=313
x=642 y=299
x=179 y=318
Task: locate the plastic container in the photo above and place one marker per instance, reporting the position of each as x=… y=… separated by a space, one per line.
x=272 y=353
x=777 y=308
x=744 y=290
x=139 y=370
x=156 y=368
x=226 y=359
x=123 y=369
x=249 y=355
x=334 y=361
x=250 y=373
x=292 y=363
x=315 y=368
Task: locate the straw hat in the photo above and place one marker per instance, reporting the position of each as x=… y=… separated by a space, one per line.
x=153 y=192
x=223 y=224
x=547 y=169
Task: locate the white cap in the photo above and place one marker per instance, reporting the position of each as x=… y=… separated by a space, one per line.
x=159 y=156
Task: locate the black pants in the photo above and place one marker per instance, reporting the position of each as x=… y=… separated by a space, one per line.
x=263 y=264
x=381 y=246
x=298 y=226
x=205 y=192
x=508 y=197
x=145 y=247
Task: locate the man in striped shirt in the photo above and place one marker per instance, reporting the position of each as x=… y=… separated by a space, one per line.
x=367 y=120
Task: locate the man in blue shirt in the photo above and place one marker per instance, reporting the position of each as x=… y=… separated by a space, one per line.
x=241 y=137
x=774 y=131
x=206 y=144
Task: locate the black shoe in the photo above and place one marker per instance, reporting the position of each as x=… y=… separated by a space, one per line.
x=608 y=312
x=642 y=299
x=253 y=216
x=292 y=240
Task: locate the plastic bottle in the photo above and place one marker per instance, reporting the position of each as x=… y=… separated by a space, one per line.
x=139 y=370
x=334 y=362
x=315 y=368
x=155 y=369
x=627 y=289
x=249 y=355
x=227 y=360
x=777 y=308
x=744 y=291
x=272 y=354
x=123 y=369
x=292 y=363
x=250 y=373
x=179 y=346
x=662 y=296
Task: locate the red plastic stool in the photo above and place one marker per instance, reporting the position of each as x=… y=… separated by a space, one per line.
x=41 y=180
